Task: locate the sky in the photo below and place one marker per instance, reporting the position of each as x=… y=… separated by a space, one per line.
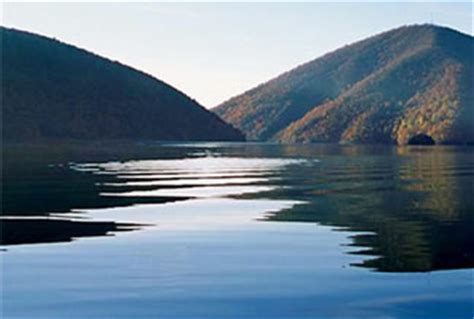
x=213 y=51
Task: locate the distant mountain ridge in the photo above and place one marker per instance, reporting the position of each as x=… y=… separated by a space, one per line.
x=391 y=88
x=54 y=90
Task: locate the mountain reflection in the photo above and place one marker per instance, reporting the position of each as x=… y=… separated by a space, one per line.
x=414 y=208
x=409 y=209
x=38 y=183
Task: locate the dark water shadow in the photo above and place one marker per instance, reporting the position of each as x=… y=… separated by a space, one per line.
x=40 y=231
x=38 y=182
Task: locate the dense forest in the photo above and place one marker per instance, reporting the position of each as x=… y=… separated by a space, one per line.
x=410 y=85
x=54 y=90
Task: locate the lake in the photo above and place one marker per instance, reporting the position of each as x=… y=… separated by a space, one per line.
x=215 y=230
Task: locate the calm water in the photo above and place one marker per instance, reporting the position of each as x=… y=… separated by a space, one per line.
x=237 y=231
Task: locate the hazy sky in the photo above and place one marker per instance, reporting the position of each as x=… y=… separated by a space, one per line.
x=213 y=51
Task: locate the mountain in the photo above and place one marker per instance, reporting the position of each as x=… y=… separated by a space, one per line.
x=55 y=90
x=409 y=85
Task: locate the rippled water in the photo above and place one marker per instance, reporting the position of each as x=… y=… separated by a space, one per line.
x=239 y=231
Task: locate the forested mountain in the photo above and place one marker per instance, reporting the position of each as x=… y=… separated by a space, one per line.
x=410 y=84
x=54 y=90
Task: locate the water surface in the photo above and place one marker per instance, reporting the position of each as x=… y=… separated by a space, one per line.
x=237 y=231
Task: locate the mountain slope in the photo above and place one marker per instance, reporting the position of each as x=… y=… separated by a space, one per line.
x=386 y=89
x=54 y=90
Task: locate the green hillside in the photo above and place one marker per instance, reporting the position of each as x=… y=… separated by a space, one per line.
x=54 y=90
x=398 y=86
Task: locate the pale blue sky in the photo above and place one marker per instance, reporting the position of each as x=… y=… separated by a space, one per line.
x=213 y=51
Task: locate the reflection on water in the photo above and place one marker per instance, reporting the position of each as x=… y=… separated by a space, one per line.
x=409 y=208
x=416 y=206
